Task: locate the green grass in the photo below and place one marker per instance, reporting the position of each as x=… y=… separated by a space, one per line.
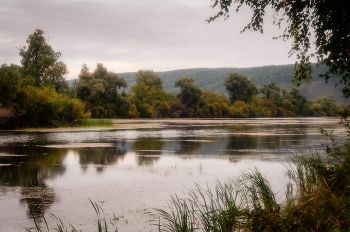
x=92 y=122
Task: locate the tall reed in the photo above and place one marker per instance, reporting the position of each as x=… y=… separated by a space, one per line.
x=317 y=198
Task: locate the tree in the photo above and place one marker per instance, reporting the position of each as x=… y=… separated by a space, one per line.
x=150 y=101
x=240 y=87
x=100 y=90
x=299 y=100
x=190 y=93
x=149 y=78
x=40 y=61
x=9 y=84
x=270 y=90
x=321 y=23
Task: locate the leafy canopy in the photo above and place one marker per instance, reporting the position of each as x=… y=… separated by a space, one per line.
x=149 y=78
x=317 y=28
x=41 y=62
x=240 y=87
x=190 y=93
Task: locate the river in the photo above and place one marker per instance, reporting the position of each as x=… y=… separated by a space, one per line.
x=136 y=165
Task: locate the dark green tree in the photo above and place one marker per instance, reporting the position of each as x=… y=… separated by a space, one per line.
x=298 y=99
x=240 y=87
x=10 y=78
x=41 y=62
x=190 y=93
x=150 y=101
x=149 y=78
x=317 y=28
x=100 y=90
x=270 y=90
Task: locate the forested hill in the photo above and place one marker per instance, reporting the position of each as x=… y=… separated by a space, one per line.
x=212 y=79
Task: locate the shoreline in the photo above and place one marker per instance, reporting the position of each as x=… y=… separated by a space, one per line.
x=131 y=124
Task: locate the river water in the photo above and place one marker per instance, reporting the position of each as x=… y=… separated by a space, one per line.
x=137 y=165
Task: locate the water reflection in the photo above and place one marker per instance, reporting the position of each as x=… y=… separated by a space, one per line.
x=147 y=149
x=29 y=167
x=100 y=156
x=38 y=200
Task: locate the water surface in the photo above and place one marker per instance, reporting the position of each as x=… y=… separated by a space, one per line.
x=139 y=164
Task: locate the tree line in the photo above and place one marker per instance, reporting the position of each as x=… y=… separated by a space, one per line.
x=35 y=93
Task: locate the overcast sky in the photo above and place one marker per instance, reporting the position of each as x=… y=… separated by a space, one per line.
x=128 y=35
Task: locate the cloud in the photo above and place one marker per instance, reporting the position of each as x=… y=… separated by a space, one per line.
x=130 y=35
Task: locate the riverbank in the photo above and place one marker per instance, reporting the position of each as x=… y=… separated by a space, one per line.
x=129 y=124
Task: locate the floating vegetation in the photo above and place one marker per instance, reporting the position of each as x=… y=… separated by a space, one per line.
x=92 y=122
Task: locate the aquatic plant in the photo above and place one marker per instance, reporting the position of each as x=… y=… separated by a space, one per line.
x=102 y=225
x=94 y=122
x=316 y=198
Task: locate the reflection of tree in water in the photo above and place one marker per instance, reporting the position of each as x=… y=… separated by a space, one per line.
x=148 y=150
x=100 y=156
x=277 y=141
x=31 y=166
x=29 y=169
x=241 y=143
x=188 y=145
x=37 y=199
x=248 y=144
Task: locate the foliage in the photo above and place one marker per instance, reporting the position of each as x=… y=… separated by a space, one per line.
x=312 y=23
x=10 y=81
x=149 y=78
x=150 y=101
x=278 y=102
x=100 y=90
x=45 y=107
x=41 y=62
x=240 y=87
x=212 y=78
x=92 y=122
x=189 y=95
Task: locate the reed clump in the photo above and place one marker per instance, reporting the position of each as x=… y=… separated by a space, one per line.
x=93 y=122
x=316 y=198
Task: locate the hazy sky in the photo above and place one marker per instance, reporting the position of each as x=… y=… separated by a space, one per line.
x=128 y=35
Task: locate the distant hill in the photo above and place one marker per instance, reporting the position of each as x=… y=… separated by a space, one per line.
x=212 y=79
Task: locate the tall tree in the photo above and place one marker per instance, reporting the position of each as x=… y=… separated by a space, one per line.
x=240 y=87
x=190 y=93
x=322 y=25
x=40 y=61
x=149 y=78
x=100 y=90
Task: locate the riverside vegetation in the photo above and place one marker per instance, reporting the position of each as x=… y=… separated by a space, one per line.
x=35 y=94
